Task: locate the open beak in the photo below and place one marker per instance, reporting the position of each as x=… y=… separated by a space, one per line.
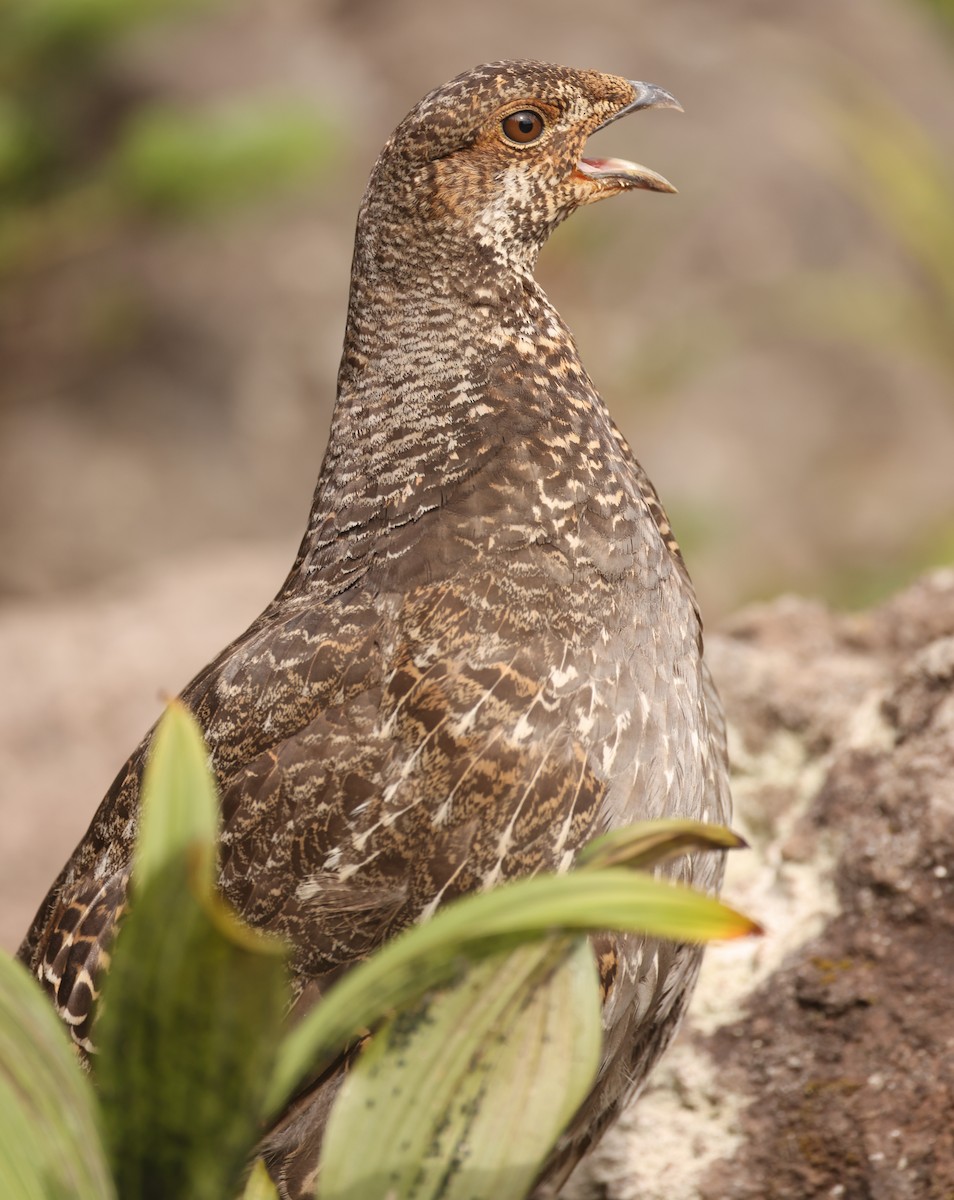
x=618 y=174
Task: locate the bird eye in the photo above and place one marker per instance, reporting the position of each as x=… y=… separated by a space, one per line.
x=523 y=126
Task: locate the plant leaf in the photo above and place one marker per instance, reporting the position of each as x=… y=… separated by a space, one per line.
x=180 y=805
x=466 y=1094
x=476 y=926
x=50 y=1144
x=193 y=1000
x=259 y=1185
x=647 y=843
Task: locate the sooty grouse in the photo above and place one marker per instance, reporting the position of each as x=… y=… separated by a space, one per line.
x=488 y=649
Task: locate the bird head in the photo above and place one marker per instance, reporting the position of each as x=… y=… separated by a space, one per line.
x=495 y=160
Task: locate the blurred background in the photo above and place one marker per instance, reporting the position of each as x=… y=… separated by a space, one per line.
x=178 y=186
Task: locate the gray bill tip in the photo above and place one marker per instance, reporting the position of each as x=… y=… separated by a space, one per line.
x=649 y=95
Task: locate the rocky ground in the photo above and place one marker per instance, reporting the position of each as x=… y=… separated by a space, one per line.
x=820 y=1061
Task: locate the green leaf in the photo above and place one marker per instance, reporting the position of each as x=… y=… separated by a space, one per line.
x=647 y=843
x=193 y=1000
x=476 y=926
x=259 y=1185
x=50 y=1146
x=180 y=806
x=466 y=1094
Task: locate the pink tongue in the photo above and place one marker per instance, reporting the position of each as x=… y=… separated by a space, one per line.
x=597 y=164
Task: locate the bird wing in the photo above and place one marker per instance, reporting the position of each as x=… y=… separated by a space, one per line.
x=383 y=753
x=446 y=771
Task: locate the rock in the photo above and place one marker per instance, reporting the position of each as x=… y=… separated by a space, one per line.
x=820 y=1061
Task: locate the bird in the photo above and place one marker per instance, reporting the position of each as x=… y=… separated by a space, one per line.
x=488 y=649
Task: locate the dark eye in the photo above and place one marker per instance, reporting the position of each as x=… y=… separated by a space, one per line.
x=523 y=126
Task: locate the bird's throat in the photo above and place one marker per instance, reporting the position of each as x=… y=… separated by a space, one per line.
x=444 y=401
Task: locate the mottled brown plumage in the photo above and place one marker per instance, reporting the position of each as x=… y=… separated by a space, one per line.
x=488 y=649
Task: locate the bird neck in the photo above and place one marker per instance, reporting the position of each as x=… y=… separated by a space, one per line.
x=437 y=381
